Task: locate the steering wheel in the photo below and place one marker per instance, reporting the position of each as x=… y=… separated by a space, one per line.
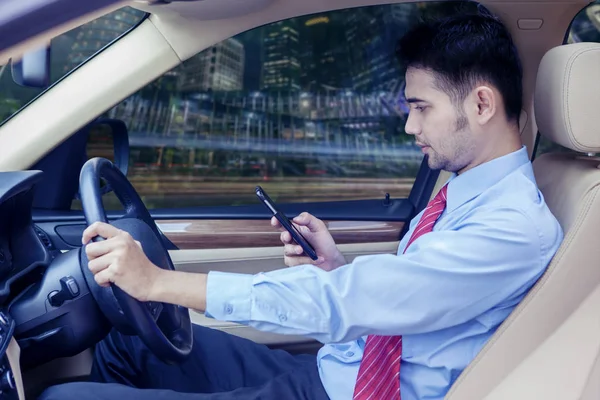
x=165 y=328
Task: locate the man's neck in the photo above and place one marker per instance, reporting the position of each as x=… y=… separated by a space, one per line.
x=497 y=145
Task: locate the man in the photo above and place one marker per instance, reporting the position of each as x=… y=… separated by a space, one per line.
x=393 y=325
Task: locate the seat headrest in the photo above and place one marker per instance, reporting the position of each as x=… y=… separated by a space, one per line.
x=567 y=96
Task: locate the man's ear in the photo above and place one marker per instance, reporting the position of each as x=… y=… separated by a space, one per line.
x=486 y=104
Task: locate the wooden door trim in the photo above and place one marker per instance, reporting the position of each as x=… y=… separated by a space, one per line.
x=220 y=234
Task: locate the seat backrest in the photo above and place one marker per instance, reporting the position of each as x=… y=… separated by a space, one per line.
x=549 y=347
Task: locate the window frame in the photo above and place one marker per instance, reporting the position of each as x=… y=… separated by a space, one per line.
x=51 y=86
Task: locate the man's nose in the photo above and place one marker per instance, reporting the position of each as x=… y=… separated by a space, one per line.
x=412 y=127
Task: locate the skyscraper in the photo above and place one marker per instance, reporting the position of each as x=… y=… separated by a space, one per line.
x=324 y=51
x=218 y=68
x=281 y=67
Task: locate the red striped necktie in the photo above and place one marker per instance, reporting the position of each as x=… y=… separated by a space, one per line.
x=379 y=371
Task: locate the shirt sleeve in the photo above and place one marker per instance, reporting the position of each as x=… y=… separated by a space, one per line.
x=445 y=278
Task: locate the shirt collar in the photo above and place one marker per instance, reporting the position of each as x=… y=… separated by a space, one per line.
x=468 y=185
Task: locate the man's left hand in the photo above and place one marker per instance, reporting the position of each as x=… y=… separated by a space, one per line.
x=120 y=260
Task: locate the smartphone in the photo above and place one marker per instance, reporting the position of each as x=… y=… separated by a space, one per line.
x=286 y=223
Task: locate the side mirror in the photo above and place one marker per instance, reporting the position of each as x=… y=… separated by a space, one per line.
x=33 y=69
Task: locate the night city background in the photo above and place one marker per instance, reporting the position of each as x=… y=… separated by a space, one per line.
x=310 y=108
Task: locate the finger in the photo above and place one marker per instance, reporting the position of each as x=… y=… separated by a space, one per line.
x=295 y=261
x=97 y=249
x=99 y=229
x=310 y=221
x=101 y=263
x=320 y=260
x=291 y=250
x=304 y=230
x=286 y=237
x=302 y=218
x=276 y=224
x=104 y=277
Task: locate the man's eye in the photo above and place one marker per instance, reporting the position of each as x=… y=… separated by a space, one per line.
x=420 y=108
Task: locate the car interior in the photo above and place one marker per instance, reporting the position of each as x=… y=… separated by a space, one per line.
x=51 y=311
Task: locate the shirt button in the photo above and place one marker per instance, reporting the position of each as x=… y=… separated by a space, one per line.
x=282 y=318
x=349 y=354
x=228 y=309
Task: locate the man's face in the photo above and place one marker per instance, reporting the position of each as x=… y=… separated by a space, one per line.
x=440 y=129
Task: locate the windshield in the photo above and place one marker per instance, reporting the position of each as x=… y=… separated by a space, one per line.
x=68 y=51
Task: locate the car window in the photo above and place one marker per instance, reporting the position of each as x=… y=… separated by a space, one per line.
x=311 y=108
x=584 y=28
x=68 y=51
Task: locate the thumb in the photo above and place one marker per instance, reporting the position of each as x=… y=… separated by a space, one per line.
x=310 y=221
x=99 y=229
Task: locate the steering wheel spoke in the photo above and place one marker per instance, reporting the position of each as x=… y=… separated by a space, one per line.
x=129 y=214
x=155 y=309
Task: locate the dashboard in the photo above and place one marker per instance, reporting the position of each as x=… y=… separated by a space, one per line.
x=22 y=251
x=47 y=310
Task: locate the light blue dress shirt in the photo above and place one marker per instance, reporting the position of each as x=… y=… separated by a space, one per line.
x=446 y=295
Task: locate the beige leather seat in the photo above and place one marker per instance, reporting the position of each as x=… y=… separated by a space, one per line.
x=549 y=348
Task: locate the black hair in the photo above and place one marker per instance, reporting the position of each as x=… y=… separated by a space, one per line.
x=463 y=51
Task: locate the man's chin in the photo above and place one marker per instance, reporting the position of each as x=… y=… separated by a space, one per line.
x=434 y=164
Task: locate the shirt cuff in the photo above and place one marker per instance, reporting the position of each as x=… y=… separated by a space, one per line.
x=228 y=296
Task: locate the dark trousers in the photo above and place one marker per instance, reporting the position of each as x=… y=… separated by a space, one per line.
x=221 y=366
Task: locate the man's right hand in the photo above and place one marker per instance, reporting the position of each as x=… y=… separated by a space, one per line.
x=317 y=234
